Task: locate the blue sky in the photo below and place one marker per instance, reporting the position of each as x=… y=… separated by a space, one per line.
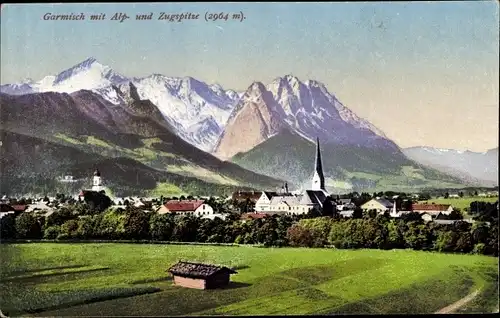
x=402 y=66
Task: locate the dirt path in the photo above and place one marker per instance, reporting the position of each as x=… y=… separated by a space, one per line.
x=456 y=305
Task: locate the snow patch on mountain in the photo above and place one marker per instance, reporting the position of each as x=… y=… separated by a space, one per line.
x=197 y=109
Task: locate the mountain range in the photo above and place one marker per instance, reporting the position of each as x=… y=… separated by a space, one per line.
x=185 y=127
x=45 y=135
x=197 y=111
x=480 y=167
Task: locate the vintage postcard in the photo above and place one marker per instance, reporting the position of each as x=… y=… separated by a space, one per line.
x=239 y=159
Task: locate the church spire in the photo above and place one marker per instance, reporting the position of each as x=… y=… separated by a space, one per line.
x=318 y=181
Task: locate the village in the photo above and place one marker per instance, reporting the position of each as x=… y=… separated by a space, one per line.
x=248 y=205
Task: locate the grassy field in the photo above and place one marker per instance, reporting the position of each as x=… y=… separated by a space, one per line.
x=51 y=279
x=166 y=189
x=461 y=203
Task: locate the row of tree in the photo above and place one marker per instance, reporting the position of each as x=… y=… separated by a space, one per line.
x=365 y=231
x=386 y=233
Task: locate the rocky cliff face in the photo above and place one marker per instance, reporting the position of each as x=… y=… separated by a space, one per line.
x=255 y=119
x=306 y=108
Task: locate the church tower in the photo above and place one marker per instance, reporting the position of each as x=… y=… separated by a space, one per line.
x=318 y=180
x=97 y=181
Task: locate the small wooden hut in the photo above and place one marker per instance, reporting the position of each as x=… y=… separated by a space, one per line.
x=200 y=276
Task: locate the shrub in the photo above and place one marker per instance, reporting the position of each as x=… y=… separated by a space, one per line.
x=479 y=248
x=69 y=229
x=88 y=226
x=136 y=224
x=8 y=226
x=298 y=235
x=239 y=239
x=28 y=226
x=445 y=241
x=52 y=232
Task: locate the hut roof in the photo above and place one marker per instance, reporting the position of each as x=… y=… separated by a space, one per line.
x=197 y=270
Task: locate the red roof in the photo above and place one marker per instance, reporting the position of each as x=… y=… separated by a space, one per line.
x=19 y=207
x=183 y=206
x=250 y=216
x=430 y=207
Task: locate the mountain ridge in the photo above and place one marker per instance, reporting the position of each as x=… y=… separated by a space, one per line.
x=289 y=156
x=182 y=108
x=31 y=165
x=482 y=166
x=186 y=103
x=305 y=107
x=212 y=119
x=86 y=121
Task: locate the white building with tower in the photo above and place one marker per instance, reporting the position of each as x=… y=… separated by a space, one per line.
x=97 y=184
x=293 y=203
x=97 y=181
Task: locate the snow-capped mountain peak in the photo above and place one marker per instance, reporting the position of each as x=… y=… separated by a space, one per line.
x=89 y=74
x=200 y=111
x=306 y=108
x=197 y=110
x=313 y=98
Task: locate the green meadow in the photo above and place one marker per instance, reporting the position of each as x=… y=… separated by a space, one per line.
x=462 y=203
x=113 y=279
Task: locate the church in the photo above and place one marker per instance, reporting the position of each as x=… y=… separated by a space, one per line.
x=285 y=203
x=96 y=184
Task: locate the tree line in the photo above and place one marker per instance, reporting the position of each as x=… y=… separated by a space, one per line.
x=368 y=230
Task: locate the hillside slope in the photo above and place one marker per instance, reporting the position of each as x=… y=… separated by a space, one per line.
x=289 y=156
x=30 y=165
x=85 y=121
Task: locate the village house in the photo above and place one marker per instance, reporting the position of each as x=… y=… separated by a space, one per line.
x=5 y=199
x=442 y=222
x=344 y=204
x=242 y=196
x=378 y=204
x=118 y=201
x=427 y=217
x=290 y=204
x=190 y=207
x=346 y=213
x=432 y=209
x=68 y=179
x=15 y=209
x=143 y=203
x=200 y=276
x=263 y=204
x=40 y=206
